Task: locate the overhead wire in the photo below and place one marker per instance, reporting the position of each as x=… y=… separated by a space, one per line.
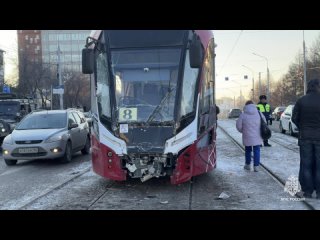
x=234 y=45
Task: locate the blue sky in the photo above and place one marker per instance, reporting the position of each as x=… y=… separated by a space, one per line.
x=280 y=47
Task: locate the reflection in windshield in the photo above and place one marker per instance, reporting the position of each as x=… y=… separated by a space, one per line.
x=43 y=121
x=145 y=83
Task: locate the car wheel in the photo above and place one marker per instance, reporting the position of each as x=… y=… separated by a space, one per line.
x=10 y=162
x=86 y=148
x=281 y=128
x=67 y=157
x=290 y=130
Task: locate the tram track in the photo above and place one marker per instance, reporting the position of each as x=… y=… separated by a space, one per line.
x=53 y=189
x=284 y=145
x=267 y=170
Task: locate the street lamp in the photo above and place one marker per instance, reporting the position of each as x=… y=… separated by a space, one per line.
x=268 y=81
x=252 y=80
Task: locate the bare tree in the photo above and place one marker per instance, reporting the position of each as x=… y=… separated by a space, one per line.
x=77 y=90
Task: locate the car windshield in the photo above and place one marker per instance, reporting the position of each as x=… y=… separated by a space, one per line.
x=9 y=108
x=43 y=121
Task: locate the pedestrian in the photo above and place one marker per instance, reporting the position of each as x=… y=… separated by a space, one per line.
x=217 y=112
x=248 y=124
x=306 y=116
x=265 y=108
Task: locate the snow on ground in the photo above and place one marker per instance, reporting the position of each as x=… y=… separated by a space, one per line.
x=35 y=179
x=244 y=190
x=280 y=160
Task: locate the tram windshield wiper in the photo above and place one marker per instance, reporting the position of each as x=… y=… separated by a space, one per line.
x=159 y=107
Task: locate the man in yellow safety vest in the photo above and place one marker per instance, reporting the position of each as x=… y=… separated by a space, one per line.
x=265 y=108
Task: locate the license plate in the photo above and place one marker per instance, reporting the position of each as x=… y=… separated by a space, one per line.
x=28 y=150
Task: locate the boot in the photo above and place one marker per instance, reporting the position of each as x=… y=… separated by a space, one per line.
x=247 y=167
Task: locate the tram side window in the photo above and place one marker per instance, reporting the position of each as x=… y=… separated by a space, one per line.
x=188 y=87
x=103 y=93
x=207 y=83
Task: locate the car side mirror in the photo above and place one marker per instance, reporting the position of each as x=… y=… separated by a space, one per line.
x=195 y=52
x=73 y=125
x=87 y=60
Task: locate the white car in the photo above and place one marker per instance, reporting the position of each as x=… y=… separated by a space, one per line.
x=286 y=123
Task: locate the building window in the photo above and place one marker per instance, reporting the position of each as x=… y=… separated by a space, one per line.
x=31 y=40
x=26 y=37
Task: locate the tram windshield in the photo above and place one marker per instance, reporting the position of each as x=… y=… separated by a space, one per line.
x=145 y=83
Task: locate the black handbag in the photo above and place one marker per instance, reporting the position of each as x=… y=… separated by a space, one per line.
x=264 y=129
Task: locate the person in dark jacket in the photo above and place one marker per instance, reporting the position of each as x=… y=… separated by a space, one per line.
x=265 y=108
x=306 y=116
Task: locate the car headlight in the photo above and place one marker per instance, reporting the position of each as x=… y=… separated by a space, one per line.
x=54 y=138
x=8 y=140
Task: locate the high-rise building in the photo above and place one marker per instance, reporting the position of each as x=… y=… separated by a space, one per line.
x=29 y=45
x=70 y=42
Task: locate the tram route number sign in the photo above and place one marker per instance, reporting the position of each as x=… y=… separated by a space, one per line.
x=128 y=114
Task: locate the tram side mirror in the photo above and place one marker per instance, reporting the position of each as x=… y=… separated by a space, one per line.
x=87 y=60
x=195 y=50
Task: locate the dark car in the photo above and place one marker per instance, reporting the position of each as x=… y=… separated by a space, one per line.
x=234 y=113
x=276 y=114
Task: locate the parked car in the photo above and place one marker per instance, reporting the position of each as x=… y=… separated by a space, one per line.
x=47 y=135
x=276 y=114
x=234 y=113
x=286 y=123
x=88 y=117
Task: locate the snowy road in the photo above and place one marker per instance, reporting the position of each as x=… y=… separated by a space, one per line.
x=27 y=180
x=46 y=185
x=243 y=190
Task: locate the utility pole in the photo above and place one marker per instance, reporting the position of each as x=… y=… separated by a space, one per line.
x=268 y=82
x=304 y=67
x=59 y=76
x=259 y=83
x=268 y=77
x=51 y=96
x=252 y=80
